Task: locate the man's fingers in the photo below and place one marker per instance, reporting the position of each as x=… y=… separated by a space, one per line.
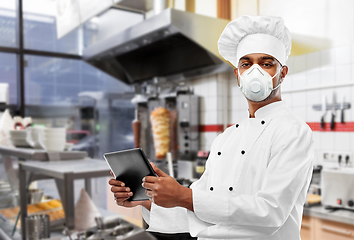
x=122 y=194
x=150 y=179
x=119 y=189
x=158 y=171
x=148 y=193
x=148 y=186
x=120 y=201
x=115 y=182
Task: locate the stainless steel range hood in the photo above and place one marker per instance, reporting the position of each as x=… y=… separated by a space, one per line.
x=176 y=45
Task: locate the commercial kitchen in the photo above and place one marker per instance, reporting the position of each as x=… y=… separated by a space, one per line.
x=81 y=78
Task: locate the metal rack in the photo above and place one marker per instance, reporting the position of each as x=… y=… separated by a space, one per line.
x=64 y=167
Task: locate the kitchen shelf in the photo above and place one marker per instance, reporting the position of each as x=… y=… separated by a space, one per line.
x=64 y=172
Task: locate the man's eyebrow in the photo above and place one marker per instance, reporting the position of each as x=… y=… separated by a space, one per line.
x=267 y=58
x=245 y=58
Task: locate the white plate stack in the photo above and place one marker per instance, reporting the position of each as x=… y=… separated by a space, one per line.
x=53 y=139
x=33 y=136
x=19 y=138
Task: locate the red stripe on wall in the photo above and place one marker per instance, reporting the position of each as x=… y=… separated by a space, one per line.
x=315 y=126
x=338 y=127
x=211 y=128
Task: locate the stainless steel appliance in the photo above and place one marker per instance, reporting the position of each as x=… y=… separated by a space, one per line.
x=174 y=44
x=337 y=188
x=183 y=106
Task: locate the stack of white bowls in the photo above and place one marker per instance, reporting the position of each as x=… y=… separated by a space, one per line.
x=19 y=138
x=53 y=139
x=34 y=134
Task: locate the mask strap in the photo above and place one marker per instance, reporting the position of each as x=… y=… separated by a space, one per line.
x=276 y=75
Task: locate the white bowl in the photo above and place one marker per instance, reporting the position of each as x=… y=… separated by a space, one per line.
x=20 y=143
x=52 y=144
x=33 y=136
x=55 y=131
x=18 y=133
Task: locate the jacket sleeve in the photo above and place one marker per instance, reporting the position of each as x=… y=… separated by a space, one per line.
x=261 y=215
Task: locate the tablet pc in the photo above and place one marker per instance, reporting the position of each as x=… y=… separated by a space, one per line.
x=131 y=166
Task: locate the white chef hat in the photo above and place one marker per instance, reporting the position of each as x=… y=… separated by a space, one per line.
x=255 y=34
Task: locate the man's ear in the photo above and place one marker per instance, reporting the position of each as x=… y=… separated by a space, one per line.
x=284 y=71
x=236 y=74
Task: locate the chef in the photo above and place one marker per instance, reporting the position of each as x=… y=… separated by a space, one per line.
x=259 y=170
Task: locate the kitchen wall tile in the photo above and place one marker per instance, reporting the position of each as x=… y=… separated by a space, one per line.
x=299 y=80
x=313 y=78
x=313 y=60
x=350 y=112
x=342 y=141
x=212 y=87
x=327 y=141
x=290 y=64
x=211 y=103
x=207 y=139
x=327 y=74
x=287 y=98
x=233 y=103
x=287 y=82
x=300 y=63
x=313 y=98
x=352 y=72
x=343 y=55
x=237 y=116
x=211 y=117
x=298 y=99
x=343 y=73
x=345 y=92
x=316 y=140
x=300 y=112
x=328 y=57
x=222 y=103
x=318 y=157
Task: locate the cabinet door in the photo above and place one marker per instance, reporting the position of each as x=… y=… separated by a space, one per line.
x=307 y=228
x=328 y=230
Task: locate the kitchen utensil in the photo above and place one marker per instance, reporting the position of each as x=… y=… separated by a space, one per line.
x=324 y=110
x=66 y=232
x=99 y=223
x=136 y=124
x=342 y=110
x=169 y=162
x=34 y=196
x=37 y=227
x=333 y=111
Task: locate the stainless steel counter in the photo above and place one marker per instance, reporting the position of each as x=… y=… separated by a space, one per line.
x=40 y=155
x=342 y=216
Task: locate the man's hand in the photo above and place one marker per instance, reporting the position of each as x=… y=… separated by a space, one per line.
x=166 y=192
x=122 y=194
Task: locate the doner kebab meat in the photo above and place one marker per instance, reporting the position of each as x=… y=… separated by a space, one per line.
x=160 y=124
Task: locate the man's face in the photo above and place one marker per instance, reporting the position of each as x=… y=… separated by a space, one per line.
x=268 y=64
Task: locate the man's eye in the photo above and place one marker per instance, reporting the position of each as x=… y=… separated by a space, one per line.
x=245 y=65
x=267 y=64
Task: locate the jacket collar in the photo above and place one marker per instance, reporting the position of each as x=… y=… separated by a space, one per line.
x=270 y=109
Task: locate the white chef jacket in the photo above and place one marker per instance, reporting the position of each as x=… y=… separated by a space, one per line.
x=254 y=185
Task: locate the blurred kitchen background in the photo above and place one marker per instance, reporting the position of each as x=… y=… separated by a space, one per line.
x=95 y=66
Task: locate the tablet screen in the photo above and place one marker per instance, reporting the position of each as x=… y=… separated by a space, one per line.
x=130 y=167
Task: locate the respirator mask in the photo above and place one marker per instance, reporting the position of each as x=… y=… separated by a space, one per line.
x=256 y=84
